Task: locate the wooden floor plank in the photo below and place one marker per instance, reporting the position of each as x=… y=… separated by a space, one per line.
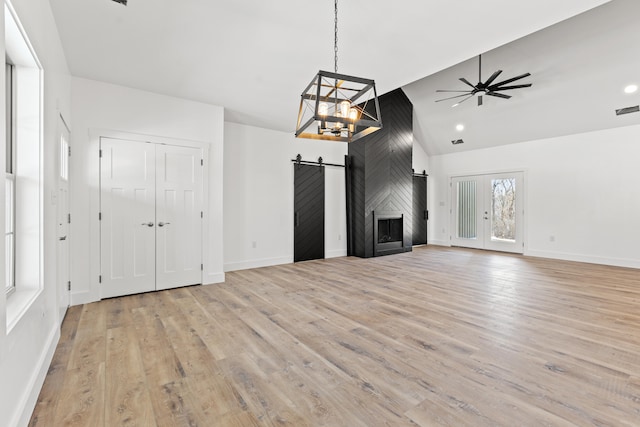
x=435 y=337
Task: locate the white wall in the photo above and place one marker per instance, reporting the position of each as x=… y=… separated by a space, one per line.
x=26 y=351
x=258 y=195
x=104 y=107
x=582 y=189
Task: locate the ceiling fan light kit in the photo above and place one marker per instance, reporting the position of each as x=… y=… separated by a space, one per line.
x=338 y=107
x=488 y=87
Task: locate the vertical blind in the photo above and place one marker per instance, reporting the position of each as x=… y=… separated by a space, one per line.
x=467 y=210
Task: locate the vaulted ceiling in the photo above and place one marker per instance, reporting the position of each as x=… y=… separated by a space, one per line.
x=255 y=57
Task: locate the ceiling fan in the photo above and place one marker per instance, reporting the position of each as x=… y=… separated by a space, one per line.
x=486 y=88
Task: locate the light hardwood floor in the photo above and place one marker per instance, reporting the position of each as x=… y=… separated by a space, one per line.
x=436 y=337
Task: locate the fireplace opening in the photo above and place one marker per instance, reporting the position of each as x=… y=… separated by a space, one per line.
x=389 y=230
x=388 y=235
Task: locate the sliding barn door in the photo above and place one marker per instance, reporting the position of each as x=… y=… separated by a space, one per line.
x=308 y=212
x=127 y=205
x=178 y=215
x=420 y=214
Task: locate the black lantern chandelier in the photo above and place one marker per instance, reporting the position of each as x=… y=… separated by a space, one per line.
x=338 y=107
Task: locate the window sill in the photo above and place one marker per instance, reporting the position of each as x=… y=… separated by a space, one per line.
x=18 y=304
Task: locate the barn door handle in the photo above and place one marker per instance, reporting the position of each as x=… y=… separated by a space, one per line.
x=63 y=238
x=296 y=219
x=162 y=224
x=148 y=224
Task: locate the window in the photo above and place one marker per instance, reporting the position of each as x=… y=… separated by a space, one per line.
x=23 y=171
x=10 y=183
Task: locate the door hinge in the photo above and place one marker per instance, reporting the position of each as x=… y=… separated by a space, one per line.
x=201 y=162
x=69 y=150
x=68 y=218
x=99 y=216
x=201 y=267
x=69 y=285
x=201 y=214
x=100 y=153
x=100 y=278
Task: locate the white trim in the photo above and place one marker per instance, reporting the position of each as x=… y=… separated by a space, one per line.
x=27 y=402
x=336 y=253
x=84 y=297
x=257 y=263
x=565 y=256
x=213 y=278
x=439 y=243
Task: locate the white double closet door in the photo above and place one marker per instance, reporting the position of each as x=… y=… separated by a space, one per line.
x=151 y=216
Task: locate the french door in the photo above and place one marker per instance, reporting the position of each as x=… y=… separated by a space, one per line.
x=487 y=212
x=63 y=219
x=151 y=224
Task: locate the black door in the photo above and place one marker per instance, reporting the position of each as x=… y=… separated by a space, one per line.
x=420 y=213
x=308 y=208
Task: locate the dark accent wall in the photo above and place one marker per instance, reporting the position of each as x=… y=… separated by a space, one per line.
x=380 y=174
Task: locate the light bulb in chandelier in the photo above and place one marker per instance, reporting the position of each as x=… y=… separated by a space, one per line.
x=323 y=109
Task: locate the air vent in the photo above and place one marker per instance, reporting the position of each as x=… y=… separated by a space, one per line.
x=628 y=110
x=124 y=2
x=457 y=141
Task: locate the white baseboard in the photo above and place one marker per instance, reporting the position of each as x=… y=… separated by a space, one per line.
x=212 y=278
x=85 y=297
x=617 y=262
x=28 y=402
x=257 y=263
x=440 y=242
x=336 y=253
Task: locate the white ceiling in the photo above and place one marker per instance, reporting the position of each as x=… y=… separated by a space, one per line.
x=579 y=69
x=255 y=57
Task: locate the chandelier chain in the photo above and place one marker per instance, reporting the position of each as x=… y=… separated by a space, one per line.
x=335 y=38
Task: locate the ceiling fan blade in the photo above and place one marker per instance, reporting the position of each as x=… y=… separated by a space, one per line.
x=513 y=79
x=453 y=97
x=441 y=90
x=499 y=95
x=467 y=98
x=493 y=77
x=465 y=81
x=494 y=89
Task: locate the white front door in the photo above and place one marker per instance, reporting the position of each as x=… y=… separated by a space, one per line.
x=127 y=209
x=63 y=218
x=178 y=215
x=488 y=212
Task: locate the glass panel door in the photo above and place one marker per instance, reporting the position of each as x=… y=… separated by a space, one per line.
x=488 y=212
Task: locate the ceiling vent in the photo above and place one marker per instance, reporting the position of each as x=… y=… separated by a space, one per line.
x=124 y=2
x=457 y=141
x=628 y=110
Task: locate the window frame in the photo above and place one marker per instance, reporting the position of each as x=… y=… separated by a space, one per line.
x=10 y=186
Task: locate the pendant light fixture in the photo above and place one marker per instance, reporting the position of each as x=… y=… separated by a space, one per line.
x=338 y=107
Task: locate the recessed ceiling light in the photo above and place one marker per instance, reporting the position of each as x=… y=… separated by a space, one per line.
x=631 y=89
x=460 y=127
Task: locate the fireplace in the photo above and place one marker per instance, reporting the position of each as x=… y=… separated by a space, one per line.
x=387 y=233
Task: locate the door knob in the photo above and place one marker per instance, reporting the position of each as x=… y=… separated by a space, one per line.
x=162 y=224
x=148 y=224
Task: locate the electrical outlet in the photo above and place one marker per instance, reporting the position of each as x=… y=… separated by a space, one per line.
x=339 y=236
x=552 y=238
x=254 y=244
